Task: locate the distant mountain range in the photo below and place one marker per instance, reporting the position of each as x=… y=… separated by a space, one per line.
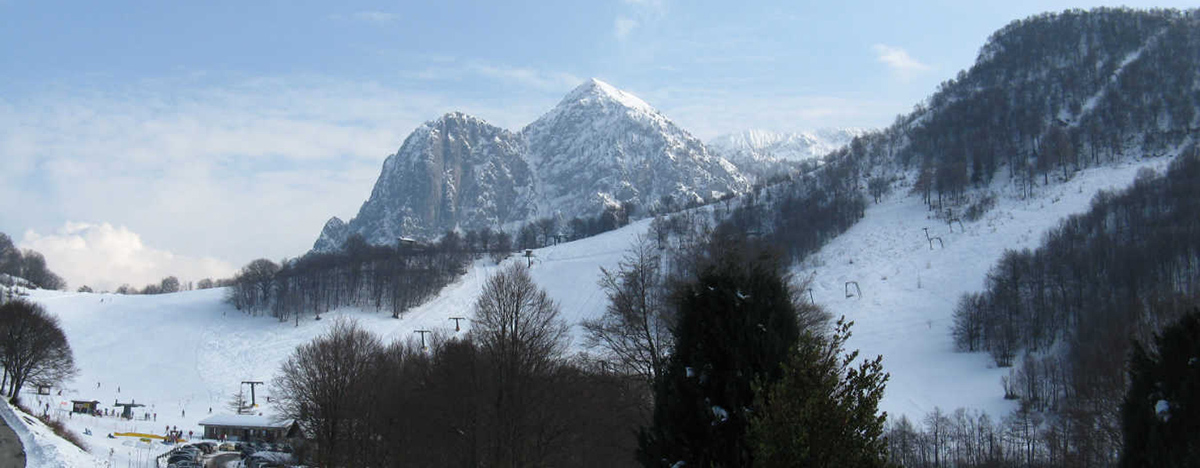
x=768 y=146
x=598 y=147
x=763 y=153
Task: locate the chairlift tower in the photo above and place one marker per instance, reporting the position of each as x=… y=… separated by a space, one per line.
x=423 y=333
x=252 y=384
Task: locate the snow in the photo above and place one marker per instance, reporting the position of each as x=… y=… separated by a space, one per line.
x=1163 y=409
x=1091 y=101
x=720 y=414
x=244 y=420
x=594 y=87
x=44 y=449
x=905 y=310
x=765 y=145
x=182 y=354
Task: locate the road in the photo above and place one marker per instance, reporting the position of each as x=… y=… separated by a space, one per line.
x=12 y=454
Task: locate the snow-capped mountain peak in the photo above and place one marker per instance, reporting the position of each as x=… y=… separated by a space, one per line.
x=595 y=91
x=599 y=147
x=766 y=145
x=602 y=145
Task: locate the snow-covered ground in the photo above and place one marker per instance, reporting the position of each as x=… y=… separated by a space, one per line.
x=182 y=354
x=909 y=292
x=44 y=449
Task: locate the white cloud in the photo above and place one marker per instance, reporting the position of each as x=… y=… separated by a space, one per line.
x=377 y=17
x=707 y=112
x=531 y=78
x=245 y=169
x=623 y=26
x=653 y=5
x=542 y=80
x=103 y=256
x=374 y=17
x=897 y=59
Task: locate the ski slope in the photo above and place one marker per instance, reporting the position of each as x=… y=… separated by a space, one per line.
x=909 y=291
x=182 y=354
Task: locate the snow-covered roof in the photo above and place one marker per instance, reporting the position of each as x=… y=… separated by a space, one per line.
x=245 y=420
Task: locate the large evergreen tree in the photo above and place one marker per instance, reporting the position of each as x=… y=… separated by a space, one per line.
x=1161 y=413
x=823 y=411
x=736 y=325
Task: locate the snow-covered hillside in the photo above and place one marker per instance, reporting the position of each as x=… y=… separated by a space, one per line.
x=181 y=354
x=909 y=291
x=44 y=449
x=184 y=353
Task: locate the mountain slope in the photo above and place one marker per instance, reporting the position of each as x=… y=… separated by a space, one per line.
x=599 y=147
x=195 y=350
x=184 y=353
x=908 y=291
x=764 y=153
x=454 y=172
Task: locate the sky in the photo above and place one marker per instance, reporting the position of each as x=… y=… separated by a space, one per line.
x=140 y=139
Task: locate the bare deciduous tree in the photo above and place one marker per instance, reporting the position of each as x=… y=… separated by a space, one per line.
x=33 y=347
x=634 y=331
x=518 y=329
x=321 y=385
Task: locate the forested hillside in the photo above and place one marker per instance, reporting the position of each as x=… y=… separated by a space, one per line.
x=1048 y=96
x=26 y=264
x=1065 y=314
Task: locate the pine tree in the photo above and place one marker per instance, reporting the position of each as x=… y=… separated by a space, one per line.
x=823 y=411
x=1161 y=414
x=736 y=325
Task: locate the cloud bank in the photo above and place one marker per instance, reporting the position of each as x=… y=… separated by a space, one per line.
x=104 y=257
x=898 y=61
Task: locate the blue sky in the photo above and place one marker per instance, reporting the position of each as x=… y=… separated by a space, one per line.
x=148 y=138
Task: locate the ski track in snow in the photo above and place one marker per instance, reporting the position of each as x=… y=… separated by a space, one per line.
x=189 y=351
x=909 y=292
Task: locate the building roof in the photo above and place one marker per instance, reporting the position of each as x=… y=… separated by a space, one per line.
x=246 y=420
x=94 y=402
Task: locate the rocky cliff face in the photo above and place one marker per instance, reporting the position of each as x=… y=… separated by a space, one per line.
x=600 y=146
x=333 y=235
x=454 y=172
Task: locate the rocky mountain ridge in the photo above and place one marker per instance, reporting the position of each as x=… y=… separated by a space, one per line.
x=598 y=147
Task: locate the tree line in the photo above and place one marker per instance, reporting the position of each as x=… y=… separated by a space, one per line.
x=549 y=230
x=721 y=367
x=383 y=278
x=1061 y=312
x=1157 y=422
x=1048 y=96
x=799 y=214
x=27 y=264
x=505 y=395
